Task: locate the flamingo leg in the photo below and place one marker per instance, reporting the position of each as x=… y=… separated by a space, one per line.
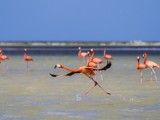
x=84 y=60
x=141 y=75
x=5 y=65
x=101 y=75
x=85 y=94
x=27 y=65
x=154 y=73
x=95 y=77
x=96 y=83
x=151 y=74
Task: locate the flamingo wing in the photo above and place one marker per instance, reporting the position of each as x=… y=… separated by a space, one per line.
x=53 y=75
x=68 y=74
x=105 y=67
x=151 y=64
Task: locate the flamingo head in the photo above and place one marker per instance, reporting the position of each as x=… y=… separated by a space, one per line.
x=0 y=51
x=138 y=58
x=79 y=48
x=25 y=50
x=145 y=55
x=92 y=50
x=58 y=66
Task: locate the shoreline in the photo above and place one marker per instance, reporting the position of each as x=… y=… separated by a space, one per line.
x=83 y=44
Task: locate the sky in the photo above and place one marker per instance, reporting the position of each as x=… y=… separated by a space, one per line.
x=79 y=20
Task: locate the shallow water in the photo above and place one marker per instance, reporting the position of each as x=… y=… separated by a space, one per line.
x=34 y=95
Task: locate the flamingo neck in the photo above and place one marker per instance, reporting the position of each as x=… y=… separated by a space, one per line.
x=1 y=53
x=88 y=60
x=91 y=57
x=104 y=52
x=66 y=68
x=145 y=59
x=25 y=53
x=79 y=53
x=138 y=64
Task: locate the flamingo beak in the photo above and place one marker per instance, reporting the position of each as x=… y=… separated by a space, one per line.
x=55 y=66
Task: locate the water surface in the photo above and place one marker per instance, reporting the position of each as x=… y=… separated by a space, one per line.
x=34 y=95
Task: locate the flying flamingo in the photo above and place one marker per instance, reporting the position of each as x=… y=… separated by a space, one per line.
x=140 y=67
x=82 y=54
x=87 y=71
x=107 y=56
x=150 y=64
x=3 y=58
x=27 y=58
x=96 y=60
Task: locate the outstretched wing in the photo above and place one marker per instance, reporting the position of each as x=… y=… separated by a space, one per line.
x=53 y=75
x=68 y=74
x=105 y=67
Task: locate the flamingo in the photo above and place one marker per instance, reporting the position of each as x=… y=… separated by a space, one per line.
x=90 y=63
x=27 y=58
x=107 y=56
x=87 y=71
x=96 y=60
x=140 y=67
x=82 y=54
x=3 y=58
x=150 y=64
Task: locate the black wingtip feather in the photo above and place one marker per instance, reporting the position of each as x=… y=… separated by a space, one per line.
x=53 y=75
x=109 y=64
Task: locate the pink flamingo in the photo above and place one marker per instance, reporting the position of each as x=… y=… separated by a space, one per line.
x=87 y=71
x=96 y=60
x=3 y=58
x=150 y=64
x=107 y=56
x=140 y=67
x=90 y=63
x=27 y=58
x=82 y=54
